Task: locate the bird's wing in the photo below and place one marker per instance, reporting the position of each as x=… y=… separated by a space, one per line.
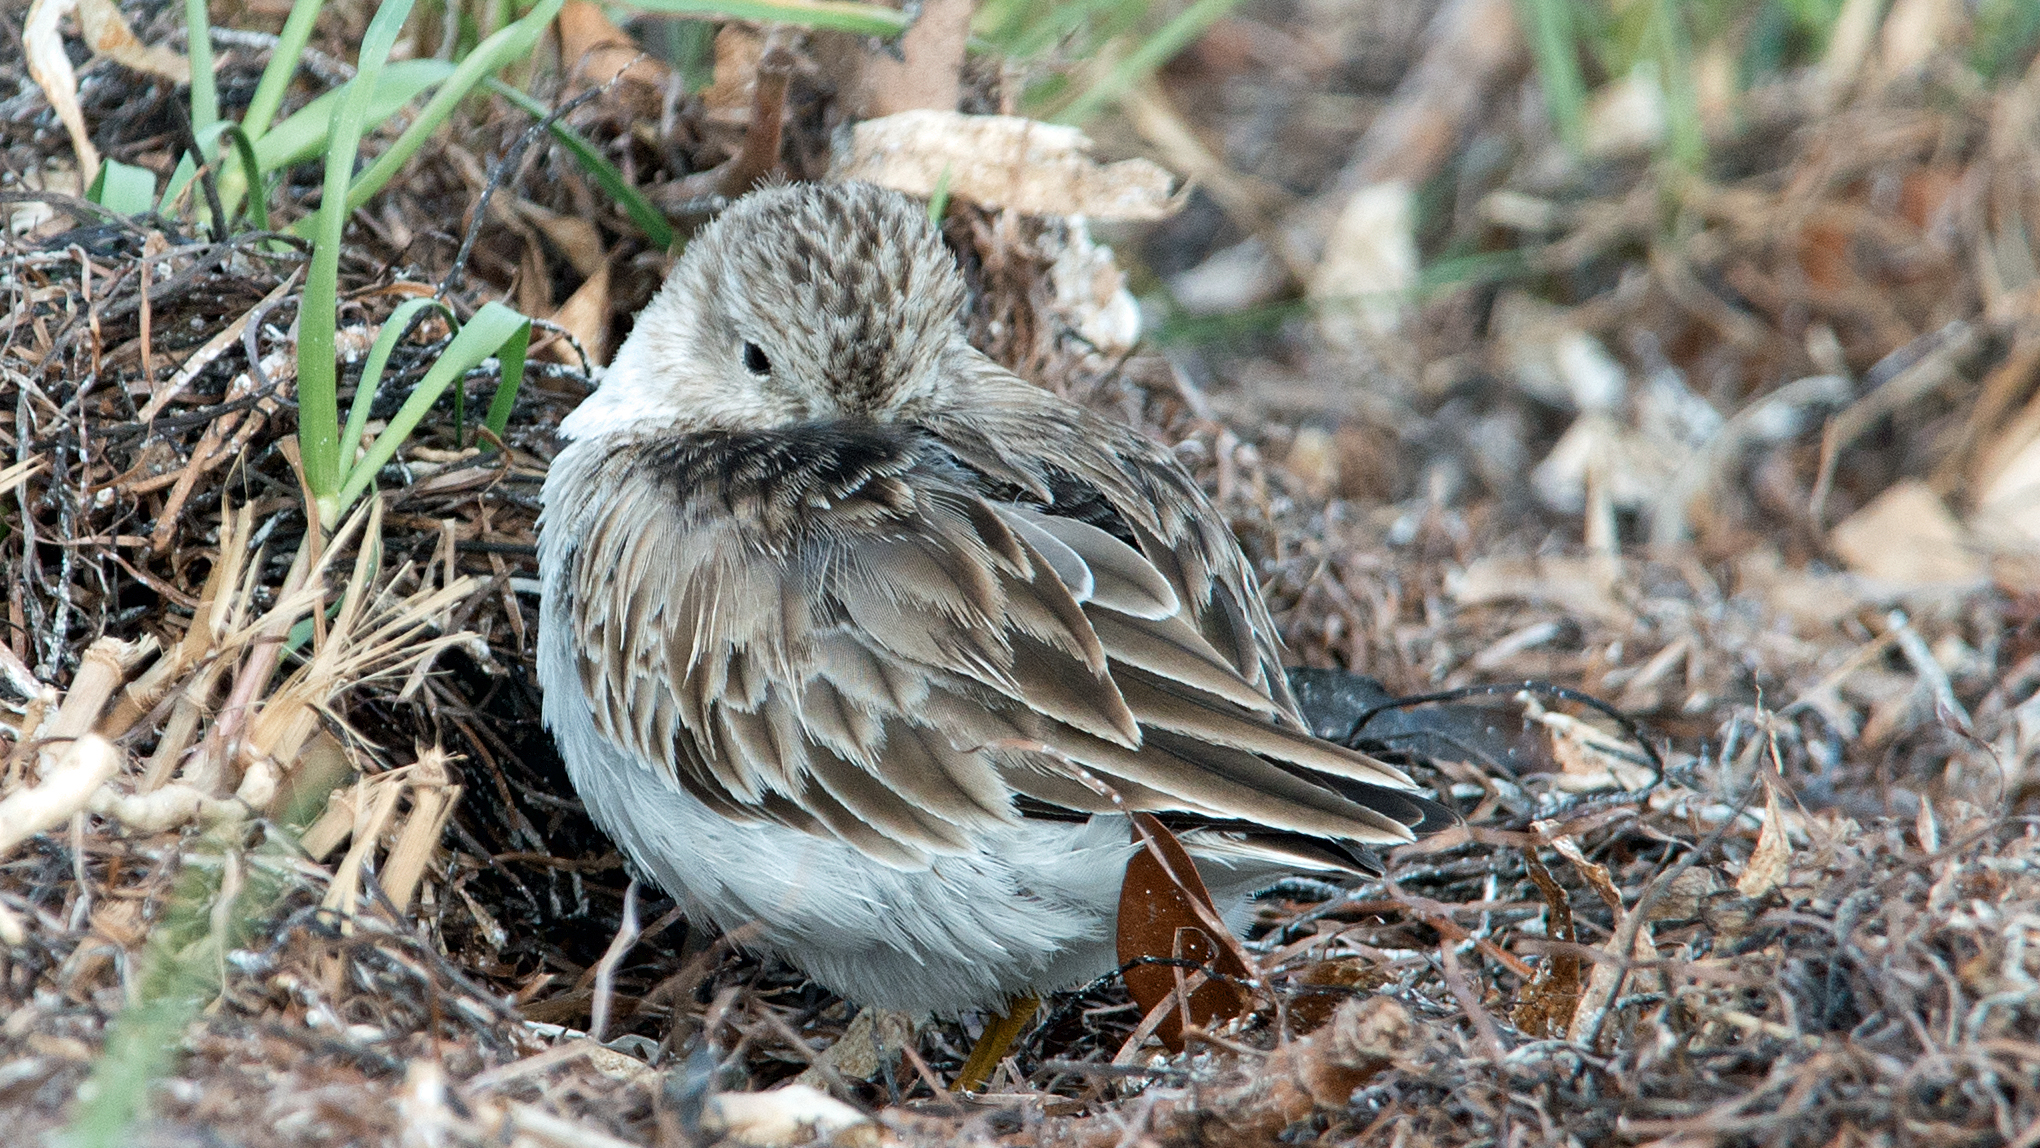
x=1108 y=475
x=1184 y=538
x=833 y=628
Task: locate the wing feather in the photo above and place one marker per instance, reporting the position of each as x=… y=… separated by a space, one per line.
x=1171 y=648
x=960 y=787
x=1121 y=579
x=836 y=630
x=894 y=814
x=1069 y=569
x=1165 y=705
x=817 y=803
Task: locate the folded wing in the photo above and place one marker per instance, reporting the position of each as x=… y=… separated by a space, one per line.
x=844 y=633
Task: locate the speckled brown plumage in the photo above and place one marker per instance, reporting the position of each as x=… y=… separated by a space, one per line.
x=853 y=636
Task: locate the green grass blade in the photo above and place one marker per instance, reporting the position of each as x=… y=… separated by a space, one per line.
x=1554 y=44
x=837 y=15
x=1026 y=28
x=205 y=93
x=140 y=1046
x=123 y=187
x=2002 y=35
x=938 y=201
x=393 y=329
x=303 y=134
x=495 y=328
x=511 y=358
x=318 y=371
x=283 y=62
x=511 y=43
x=1157 y=50
x=180 y=178
x=1685 y=136
x=648 y=218
x=176 y=974
x=244 y=160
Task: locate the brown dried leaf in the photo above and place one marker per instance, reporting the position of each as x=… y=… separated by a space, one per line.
x=534 y=281
x=1157 y=919
x=585 y=316
x=578 y=239
x=595 y=50
x=1596 y=874
x=1548 y=1002
x=1309 y=1010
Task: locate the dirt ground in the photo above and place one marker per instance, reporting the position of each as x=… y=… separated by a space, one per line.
x=1704 y=430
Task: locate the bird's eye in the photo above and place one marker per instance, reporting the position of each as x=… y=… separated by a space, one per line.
x=755 y=360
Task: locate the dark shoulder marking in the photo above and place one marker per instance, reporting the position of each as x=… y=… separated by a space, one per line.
x=830 y=459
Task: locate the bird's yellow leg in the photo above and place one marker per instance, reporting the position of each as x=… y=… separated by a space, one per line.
x=991 y=1047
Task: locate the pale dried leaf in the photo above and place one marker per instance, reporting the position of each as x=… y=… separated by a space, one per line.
x=1632 y=468
x=1772 y=859
x=727 y=99
x=1590 y=760
x=1552 y=359
x=107 y=33
x=782 y=1117
x=1570 y=583
x=2007 y=510
x=1627 y=116
x=928 y=70
x=1369 y=266
x=1090 y=289
x=51 y=70
x=1906 y=538
x=1003 y=162
x=1914 y=29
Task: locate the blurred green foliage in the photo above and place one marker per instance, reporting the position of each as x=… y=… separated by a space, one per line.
x=1581 y=45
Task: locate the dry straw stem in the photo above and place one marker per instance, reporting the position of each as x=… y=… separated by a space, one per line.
x=106 y=664
x=65 y=789
x=218 y=611
x=433 y=796
x=375 y=632
x=374 y=803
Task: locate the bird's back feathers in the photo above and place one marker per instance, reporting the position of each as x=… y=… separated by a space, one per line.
x=895 y=635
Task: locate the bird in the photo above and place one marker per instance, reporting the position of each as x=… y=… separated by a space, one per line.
x=854 y=640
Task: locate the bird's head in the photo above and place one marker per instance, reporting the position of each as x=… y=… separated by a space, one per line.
x=798 y=303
